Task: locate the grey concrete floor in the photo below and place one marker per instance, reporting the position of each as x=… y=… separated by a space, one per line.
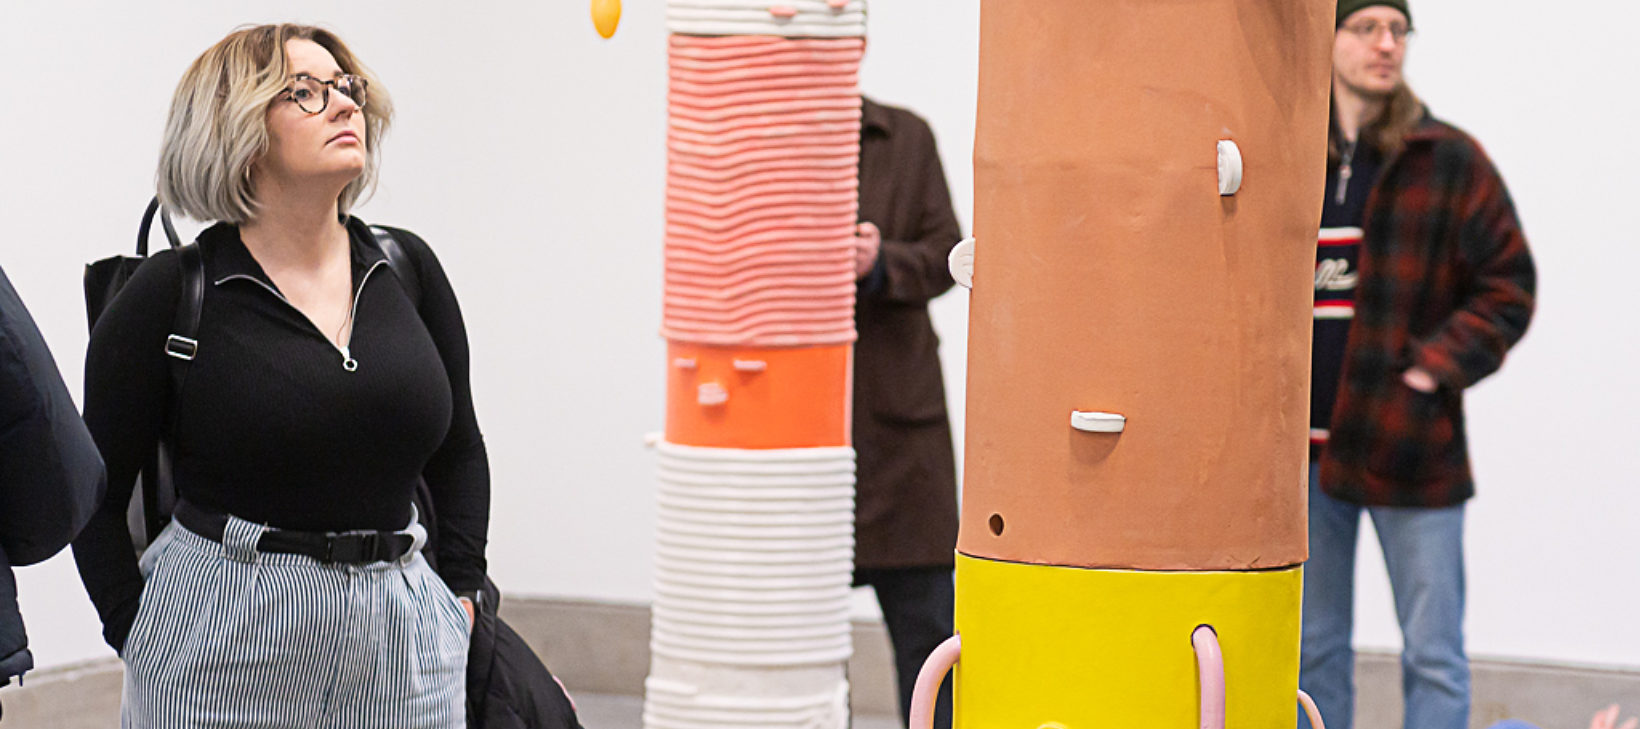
x=616 y=711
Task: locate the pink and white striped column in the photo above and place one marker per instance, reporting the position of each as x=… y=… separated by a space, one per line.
x=755 y=534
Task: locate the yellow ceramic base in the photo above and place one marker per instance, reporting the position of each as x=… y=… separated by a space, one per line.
x=1069 y=648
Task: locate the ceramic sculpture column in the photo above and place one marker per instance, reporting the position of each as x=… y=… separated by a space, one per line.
x=756 y=508
x=1148 y=181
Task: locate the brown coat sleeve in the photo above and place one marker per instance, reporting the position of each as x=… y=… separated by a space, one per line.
x=911 y=267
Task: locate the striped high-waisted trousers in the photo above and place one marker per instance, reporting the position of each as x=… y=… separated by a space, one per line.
x=229 y=637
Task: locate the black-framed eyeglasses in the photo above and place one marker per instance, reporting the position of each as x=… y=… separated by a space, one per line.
x=313 y=95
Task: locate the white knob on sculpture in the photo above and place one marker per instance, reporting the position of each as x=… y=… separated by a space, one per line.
x=1096 y=422
x=961 y=262
x=1229 y=167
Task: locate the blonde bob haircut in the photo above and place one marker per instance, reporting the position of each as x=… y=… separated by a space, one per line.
x=217 y=128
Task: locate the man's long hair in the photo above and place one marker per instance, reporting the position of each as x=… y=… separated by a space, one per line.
x=1388 y=133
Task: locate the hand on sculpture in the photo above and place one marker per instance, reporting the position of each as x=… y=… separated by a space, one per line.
x=1419 y=379
x=868 y=241
x=1607 y=719
x=961 y=261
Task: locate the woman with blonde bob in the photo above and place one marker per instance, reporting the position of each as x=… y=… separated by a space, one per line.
x=290 y=590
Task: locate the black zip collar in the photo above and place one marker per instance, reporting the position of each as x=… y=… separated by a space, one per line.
x=229 y=258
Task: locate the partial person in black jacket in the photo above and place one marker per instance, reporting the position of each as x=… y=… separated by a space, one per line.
x=51 y=476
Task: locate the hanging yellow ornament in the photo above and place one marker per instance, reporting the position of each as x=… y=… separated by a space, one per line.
x=606 y=14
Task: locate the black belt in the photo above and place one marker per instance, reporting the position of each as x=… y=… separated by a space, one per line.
x=361 y=547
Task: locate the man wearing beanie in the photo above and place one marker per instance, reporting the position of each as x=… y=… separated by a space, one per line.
x=1423 y=283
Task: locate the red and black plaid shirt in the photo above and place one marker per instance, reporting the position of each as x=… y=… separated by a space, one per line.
x=1447 y=284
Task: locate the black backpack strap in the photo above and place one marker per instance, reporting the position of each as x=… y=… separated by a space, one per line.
x=183 y=343
x=399 y=260
x=158 y=489
x=148 y=223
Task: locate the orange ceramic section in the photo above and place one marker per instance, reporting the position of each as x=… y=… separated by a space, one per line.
x=1109 y=275
x=752 y=397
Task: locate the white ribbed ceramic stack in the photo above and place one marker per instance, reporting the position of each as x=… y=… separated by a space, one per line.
x=755 y=554
x=801 y=18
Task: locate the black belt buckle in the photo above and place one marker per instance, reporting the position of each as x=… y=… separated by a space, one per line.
x=353 y=548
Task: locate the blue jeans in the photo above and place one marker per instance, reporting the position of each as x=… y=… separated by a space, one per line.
x=1423 y=551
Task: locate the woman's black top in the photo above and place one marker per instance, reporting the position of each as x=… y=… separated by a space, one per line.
x=270 y=426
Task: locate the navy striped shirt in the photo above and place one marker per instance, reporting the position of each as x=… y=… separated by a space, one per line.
x=1337 y=270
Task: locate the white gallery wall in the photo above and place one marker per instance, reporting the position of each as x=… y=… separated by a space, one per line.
x=530 y=153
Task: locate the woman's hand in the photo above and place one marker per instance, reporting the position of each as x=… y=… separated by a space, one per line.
x=471 y=615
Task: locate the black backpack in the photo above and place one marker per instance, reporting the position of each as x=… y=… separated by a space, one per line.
x=154 y=497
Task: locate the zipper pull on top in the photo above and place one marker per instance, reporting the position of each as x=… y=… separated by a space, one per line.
x=1344 y=173
x=346 y=348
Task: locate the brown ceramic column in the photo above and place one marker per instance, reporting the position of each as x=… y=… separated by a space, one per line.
x=1111 y=276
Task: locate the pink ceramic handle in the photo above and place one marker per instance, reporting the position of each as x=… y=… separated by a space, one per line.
x=1311 y=711
x=783 y=11
x=933 y=672
x=1210 y=669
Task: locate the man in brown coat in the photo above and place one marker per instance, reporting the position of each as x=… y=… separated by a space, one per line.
x=906 y=513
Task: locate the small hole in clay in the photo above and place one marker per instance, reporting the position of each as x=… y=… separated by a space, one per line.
x=996 y=524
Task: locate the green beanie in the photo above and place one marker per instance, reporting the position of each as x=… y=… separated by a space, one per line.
x=1346 y=8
